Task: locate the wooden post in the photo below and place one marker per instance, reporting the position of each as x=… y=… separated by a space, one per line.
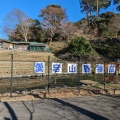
x=48 y=73
x=11 y=75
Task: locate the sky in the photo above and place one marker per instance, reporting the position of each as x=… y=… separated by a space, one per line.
x=32 y=9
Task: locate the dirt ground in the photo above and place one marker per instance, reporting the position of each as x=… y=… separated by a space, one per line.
x=55 y=93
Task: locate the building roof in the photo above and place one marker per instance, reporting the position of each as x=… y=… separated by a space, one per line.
x=30 y=43
x=25 y=43
x=7 y=41
x=1 y=40
x=42 y=45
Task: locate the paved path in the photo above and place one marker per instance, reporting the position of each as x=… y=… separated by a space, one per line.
x=83 y=108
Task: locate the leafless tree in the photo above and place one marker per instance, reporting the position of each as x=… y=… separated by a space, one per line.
x=69 y=30
x=17 y=19
x=114 y=27
x=52 y=17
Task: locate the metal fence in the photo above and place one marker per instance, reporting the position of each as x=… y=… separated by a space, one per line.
x=16 y=76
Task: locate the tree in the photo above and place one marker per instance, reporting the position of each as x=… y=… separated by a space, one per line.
x=52 y=17
x=36 y=31
x=117 y=2
x=82 y=27
x=100 y=4
x=68 y=30
x=90 y=6
x=15 y=35
x=114 y=26
x=108 y=48
x=86 y=6
x=104 y=21
x=105 y=18
x=17 y=19
x=80 y=47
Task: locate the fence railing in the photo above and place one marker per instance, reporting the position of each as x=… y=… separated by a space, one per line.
x=20 y=75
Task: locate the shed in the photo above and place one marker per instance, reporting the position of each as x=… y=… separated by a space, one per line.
x=21 y=45
x=6 y=44
x=41 y=47
x=1 y=43
x=31 y=46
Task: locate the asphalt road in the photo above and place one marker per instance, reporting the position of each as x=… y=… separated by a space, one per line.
x=82 y=108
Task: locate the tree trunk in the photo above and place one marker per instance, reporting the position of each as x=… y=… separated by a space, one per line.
x=26 y=40
x=97 y=11
x=51 y=39
x=68 y=39
x=116 y=34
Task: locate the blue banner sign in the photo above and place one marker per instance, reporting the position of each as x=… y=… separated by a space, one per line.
x=56 y=67
x=86 y=68
x=111 y=68
x=99 y=68
x=72 y=68
x=39 y=67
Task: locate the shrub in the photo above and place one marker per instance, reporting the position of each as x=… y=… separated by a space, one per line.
x=79 y=46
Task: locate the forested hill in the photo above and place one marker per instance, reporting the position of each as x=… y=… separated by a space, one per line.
x=91 y=36
x=106 y=26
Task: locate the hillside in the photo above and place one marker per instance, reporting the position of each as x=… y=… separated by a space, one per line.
x=108 y=48
x=108 y=26
x=23 y=62
x=5 y=55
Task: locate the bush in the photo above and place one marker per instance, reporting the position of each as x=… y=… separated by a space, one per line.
x=79 y=46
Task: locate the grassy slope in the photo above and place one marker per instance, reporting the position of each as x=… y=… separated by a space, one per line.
x=24 y=68
x=23 y=62
x=57 y=46
x=22 y=65
x=26 y=56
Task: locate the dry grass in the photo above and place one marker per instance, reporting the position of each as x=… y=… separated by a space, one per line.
x=96 y=85
x=56 y=46
x=23 y=62
x=113 y=86
x=89 y=82
x=54 y=93
x=26 y=56
x=26 y=68
x=22 y=83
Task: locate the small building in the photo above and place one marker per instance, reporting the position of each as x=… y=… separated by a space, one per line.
x=31 y=46
x=20 y=45
x=41 y=47
x=1 y=43
x=4 y=44
x=118 y=60
x=24 y=46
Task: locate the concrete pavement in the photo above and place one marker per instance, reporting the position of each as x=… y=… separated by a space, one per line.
x=83 y=108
